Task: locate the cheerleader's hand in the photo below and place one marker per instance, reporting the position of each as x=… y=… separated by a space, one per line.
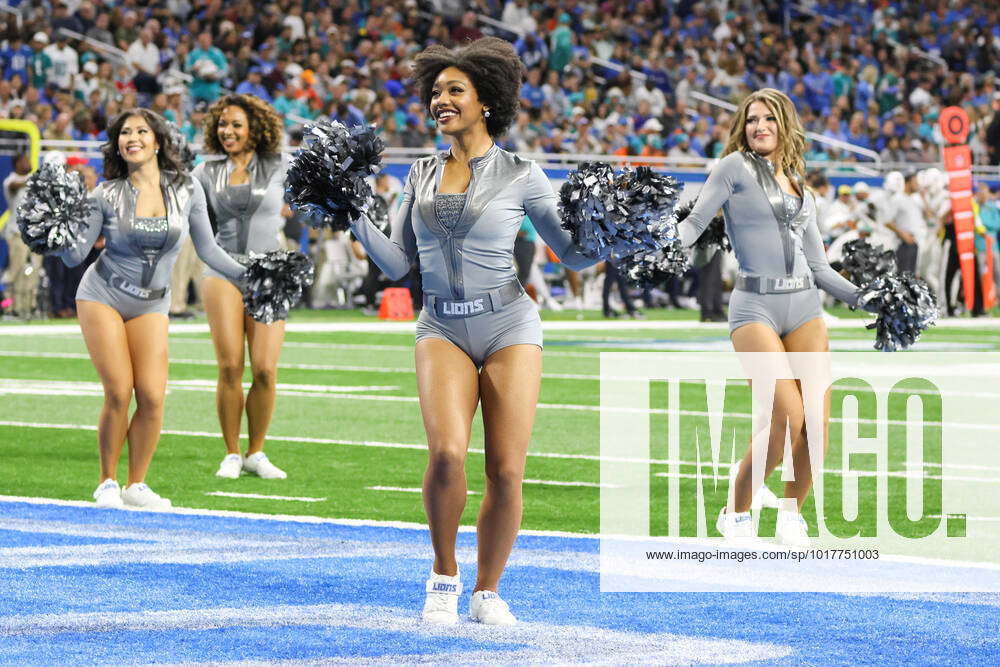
x=274 y=282
x=54 y=209
x=627 y=218
x=327 y=178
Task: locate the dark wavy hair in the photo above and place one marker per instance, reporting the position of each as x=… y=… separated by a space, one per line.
x=266 y=126
x=168 y=158
x=491 y=64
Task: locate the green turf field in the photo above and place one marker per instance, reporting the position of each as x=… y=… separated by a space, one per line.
x=347 y=427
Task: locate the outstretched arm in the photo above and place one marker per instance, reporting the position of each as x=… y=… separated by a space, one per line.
x=718 y=188
x=826 y=278
x=541 y=205
x=394 y=254
x=89 y=233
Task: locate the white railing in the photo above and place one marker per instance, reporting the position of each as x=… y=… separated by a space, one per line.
x=110 y=50
x=400 y=155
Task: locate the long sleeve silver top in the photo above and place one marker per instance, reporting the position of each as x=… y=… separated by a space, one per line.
x=476 y=254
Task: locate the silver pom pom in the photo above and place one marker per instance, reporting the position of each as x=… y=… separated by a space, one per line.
x=274 y=282
x=54 y=207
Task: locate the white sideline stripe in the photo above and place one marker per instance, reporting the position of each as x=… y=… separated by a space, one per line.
x=405 y=525
x=410 y=489
x=69 y=387
x=314 y=388
x=257 y=496
x=77 y=388
x=404 y=370
x=865 y=473
x=376 y=327
x=967 y=518
x=421 y=447
x=552 y=482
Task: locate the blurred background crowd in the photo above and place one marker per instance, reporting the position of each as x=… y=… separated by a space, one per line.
x=620 y=77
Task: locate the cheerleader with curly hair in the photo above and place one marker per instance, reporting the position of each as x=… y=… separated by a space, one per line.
x=479 y=337
x=244 y=187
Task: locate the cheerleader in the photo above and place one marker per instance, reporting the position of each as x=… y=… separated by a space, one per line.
x=145 y=209
x=244 y=188
x=479 y=337
x=775 y=307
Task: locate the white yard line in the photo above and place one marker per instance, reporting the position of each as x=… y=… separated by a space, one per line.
x=377 y=326
x=409 y=489
x=473 y=450
x=257 y=496
x=74 y=388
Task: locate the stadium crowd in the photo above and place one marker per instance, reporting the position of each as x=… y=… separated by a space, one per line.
x=616 y=77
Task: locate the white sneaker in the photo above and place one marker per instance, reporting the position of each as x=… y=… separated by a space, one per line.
x=791 y=530
x=735 y=525
x=441 y=605
x=260 y=466
x=108 y=494
x=488 y=608
x=764 y=498
x=231 y=466
x=141 y=496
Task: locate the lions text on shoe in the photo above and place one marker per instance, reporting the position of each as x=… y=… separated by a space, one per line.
x=442 y=587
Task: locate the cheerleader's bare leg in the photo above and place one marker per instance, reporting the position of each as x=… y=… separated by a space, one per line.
x=264 y=341
x=448 y=385
x=226 y=320
x=508 y=389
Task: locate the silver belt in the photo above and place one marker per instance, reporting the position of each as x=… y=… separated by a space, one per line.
x=123 y=285
x=477 y=305
x=773 y=284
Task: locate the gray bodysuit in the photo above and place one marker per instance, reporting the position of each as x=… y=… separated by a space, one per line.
x=248 y=216
x=466 y=245
x=132 y=273
x=777 y=244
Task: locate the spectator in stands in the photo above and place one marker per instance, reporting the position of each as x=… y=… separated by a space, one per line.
x=908 y=224
x=993 y=131
x=209 y=67
x=517 y=15
x=25 y=266
x=87 y=82
x=252 y=85
x=466 y=31
x=99 y=31
x=41 y=62
x=144 y=56
x=15 y=58
x=561 y=44
x=682 y=151
x=65 y=63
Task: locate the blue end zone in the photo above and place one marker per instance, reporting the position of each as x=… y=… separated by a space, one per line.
x=20 y=538
x=296 y=642
x=207 y=588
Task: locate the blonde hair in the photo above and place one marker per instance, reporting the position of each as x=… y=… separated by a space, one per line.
x=791 y=135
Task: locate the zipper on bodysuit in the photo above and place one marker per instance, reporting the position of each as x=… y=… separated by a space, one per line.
x=455 y=264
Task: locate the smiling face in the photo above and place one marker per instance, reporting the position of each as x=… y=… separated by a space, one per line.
x=762 y=129
x=233 y=130
x=137 y=142
x=455 y=103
